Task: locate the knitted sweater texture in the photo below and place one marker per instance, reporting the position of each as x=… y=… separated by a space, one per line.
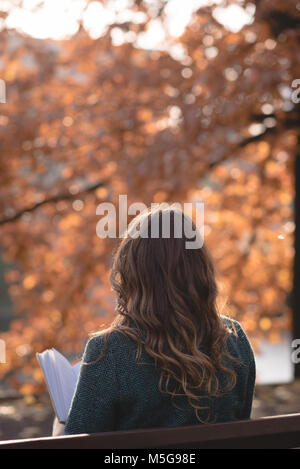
x=116 y=393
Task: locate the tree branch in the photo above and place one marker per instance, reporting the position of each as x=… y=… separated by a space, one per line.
x=51 y=200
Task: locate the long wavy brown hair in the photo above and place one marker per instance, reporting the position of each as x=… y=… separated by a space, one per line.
x=166 y=302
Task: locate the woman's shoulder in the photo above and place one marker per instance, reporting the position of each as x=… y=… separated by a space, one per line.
x=237 y=339
x=108 y=342
x=232 y=325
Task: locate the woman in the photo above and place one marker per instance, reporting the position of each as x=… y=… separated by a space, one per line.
x=169 y=358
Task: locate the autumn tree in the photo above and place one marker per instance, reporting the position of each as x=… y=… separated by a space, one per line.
x=209 y=117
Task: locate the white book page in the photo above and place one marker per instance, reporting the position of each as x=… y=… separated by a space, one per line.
x=47 y=365
x=61 y=378
x=76 y=369
x=67 y=379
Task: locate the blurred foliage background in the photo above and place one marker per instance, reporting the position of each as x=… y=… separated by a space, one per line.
x=130 y=104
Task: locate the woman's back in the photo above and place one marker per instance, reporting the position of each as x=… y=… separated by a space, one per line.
x=116 y=393
x=168 y=358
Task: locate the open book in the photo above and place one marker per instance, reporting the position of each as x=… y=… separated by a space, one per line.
x=61 y=378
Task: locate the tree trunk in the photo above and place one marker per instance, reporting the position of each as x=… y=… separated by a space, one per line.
x=296 y=286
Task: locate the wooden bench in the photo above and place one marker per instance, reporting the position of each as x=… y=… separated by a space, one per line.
x=269 y=432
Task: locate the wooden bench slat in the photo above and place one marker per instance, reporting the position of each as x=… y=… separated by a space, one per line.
x=269 y=432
